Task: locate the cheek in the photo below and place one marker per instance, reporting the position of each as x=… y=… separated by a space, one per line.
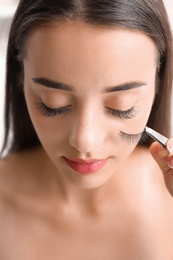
x=52 y=134
x=138 y=123
x=49 y=130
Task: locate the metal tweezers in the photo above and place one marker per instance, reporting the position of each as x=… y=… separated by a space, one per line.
x=156 y=136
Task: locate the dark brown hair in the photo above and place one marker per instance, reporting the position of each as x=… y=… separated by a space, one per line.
x=147 y=16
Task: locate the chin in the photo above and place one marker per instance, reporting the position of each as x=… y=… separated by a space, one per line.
x=89 y=181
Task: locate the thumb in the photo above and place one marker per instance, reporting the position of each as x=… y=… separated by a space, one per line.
x=164 y=158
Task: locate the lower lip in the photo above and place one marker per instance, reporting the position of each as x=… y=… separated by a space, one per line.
x=86 y=168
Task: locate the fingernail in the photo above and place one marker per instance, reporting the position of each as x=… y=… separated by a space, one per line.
x=162 y=152
x=170 y=146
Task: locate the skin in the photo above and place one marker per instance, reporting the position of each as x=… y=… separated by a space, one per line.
x=89 y=131
x=124 y=210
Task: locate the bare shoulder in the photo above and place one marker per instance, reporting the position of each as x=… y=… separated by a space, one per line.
x=17 y=170
x=9 y=167
x=15 y=163
x=21 y=179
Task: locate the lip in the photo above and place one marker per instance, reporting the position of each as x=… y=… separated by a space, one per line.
x=85 y=167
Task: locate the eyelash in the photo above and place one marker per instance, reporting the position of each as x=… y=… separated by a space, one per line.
x=52 y=112
x=130 y=138
x=128 y=114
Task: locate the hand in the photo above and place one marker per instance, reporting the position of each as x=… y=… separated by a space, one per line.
x=164 y=157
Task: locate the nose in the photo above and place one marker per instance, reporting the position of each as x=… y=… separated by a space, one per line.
x=87 y=133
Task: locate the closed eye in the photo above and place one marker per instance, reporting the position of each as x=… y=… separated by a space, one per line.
x=52 y=112
x=126 y=114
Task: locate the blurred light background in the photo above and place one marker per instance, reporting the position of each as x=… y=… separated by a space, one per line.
x=7 y=9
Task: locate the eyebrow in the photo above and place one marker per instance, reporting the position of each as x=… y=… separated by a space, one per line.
x=58 y=85
x=52 y=84
x=125 y=86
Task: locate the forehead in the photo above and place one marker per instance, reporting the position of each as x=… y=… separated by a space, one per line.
x=73 y=47
x=72 y=35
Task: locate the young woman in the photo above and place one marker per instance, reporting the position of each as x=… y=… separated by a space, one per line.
x=78 y=180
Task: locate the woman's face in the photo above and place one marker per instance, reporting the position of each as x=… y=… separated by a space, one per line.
x=89 y=93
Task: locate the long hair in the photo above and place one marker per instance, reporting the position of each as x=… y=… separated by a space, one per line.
x=147 y=16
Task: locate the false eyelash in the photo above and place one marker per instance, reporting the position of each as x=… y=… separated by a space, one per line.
x=130 y=138
x=52 y=112
x=128 y=114
x=145 y=139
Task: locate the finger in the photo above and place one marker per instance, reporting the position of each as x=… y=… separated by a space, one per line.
x=170 y=149
x=161 y=155
x=170 y=145
x=164 y=158
x=170 y=162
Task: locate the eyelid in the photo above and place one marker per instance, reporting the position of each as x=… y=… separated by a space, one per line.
x=126 y=114
x=52 y=112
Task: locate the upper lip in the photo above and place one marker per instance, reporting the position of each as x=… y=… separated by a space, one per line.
x=89 y=161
